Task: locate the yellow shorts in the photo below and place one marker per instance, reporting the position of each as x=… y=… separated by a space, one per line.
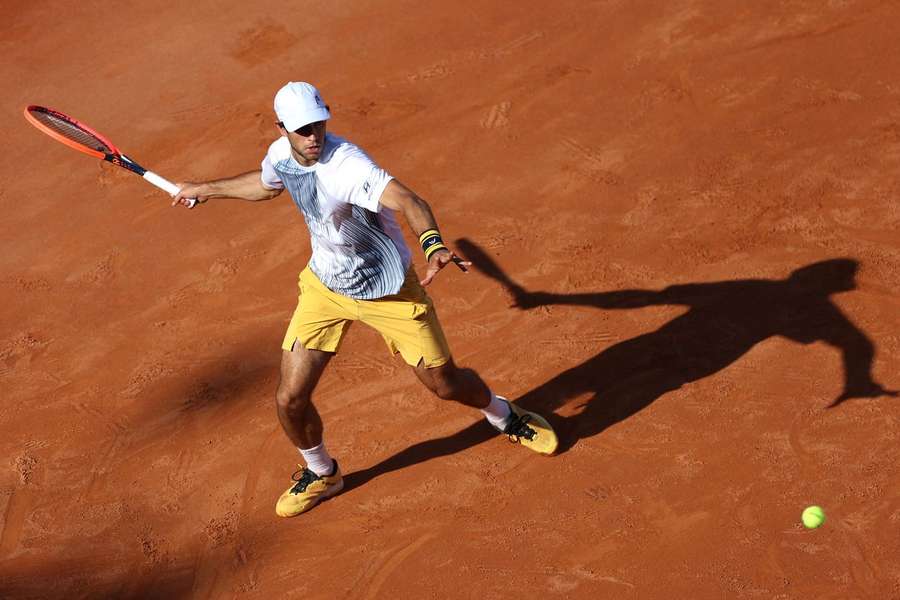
x=406 y=320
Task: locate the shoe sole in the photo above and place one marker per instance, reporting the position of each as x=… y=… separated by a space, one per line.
x=543 y=422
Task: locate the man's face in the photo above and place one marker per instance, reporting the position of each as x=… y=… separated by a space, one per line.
x=306 y=142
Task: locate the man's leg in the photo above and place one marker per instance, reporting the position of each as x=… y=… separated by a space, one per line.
x=410 y=326
x=449 y=382
x=465 y=386
x=301 y=370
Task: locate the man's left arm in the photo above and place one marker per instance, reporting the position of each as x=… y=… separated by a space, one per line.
x=418 y=215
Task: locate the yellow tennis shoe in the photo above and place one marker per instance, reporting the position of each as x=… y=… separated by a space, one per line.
x=308 y=490
x=531 y=430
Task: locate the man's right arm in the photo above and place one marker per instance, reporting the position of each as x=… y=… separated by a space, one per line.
x=248 y=186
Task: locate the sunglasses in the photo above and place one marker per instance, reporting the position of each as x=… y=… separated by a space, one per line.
x=307 y=129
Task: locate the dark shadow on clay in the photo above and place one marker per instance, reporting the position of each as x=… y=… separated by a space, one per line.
x=724 y=321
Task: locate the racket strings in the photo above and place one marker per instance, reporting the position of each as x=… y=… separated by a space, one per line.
x=71 y=131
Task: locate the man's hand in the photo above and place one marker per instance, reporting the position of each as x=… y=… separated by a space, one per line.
x=441 y=259
x=190 y=194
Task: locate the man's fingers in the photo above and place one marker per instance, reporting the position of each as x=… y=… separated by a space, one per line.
x=187 y=201
x=440 y=260
x=189 y=194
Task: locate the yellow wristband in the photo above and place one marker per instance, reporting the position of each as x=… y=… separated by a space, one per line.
x=432 y=249
x=428 y=233
x=431 y=242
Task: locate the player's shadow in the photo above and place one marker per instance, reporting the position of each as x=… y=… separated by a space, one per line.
x=723 y=322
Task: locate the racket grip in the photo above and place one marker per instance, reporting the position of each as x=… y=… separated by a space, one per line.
x=165 y=184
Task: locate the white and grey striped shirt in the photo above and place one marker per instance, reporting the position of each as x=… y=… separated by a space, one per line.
x=357 y=246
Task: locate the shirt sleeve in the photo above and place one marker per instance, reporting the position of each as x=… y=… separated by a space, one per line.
x=364 y=179
x=269 y=176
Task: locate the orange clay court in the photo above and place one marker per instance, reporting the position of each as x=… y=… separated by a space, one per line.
x=684 y=219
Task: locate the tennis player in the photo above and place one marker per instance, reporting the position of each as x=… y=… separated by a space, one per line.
x=360 y=270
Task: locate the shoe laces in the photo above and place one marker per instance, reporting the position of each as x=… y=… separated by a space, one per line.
x=305 y=478
x=518 y=428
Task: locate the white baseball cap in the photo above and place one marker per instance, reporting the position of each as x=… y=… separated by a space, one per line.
x=298 y=104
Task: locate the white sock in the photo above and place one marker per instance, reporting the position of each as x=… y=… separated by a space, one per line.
x=497 y=412
x=318 y=460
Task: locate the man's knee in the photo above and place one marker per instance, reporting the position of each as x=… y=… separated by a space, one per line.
x=292 y=399
x=300 y=371
x=448 y=382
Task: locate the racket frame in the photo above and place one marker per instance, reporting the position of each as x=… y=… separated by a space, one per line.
x=115 y=157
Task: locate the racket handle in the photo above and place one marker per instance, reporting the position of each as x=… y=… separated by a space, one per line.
x=165 y=184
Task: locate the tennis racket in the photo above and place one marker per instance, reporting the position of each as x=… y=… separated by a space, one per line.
x=79 y=136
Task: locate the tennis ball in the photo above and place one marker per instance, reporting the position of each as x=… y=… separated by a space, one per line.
x=813 y=516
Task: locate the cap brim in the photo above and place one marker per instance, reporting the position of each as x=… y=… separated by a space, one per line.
x=317 y=114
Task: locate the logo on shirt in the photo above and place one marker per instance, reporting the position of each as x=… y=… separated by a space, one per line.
x=366 y=187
